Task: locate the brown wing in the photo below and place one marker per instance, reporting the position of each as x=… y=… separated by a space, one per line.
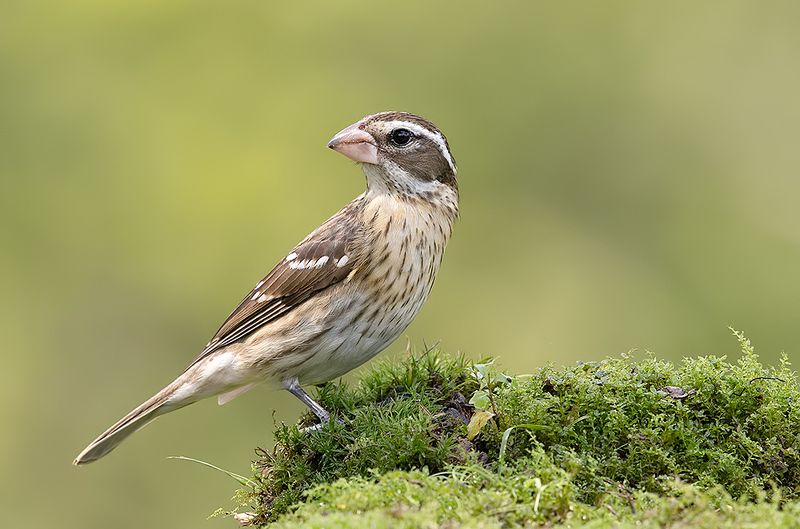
x=323 y=259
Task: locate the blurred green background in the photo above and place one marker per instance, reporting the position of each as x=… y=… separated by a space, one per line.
x=629 y=176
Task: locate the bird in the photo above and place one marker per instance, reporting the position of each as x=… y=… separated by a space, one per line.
x=344 y=293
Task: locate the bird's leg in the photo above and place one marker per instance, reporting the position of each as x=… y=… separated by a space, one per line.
x=292 y=385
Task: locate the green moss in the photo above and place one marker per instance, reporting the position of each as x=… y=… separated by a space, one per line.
x=475 y=499
x=706 y=443
x=610 y=422
x=408 y=415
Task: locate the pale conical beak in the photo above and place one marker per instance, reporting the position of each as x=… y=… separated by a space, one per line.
x=356 y=144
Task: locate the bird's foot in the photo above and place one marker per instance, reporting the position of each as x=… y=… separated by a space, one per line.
x=319 y=426
x=293 y=386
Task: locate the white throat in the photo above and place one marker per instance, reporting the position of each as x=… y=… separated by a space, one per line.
x=391 y=178
x=393 y=181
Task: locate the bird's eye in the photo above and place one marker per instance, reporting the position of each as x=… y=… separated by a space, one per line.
x=401 y=136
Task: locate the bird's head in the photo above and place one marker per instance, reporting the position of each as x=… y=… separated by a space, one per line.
x=399 y=151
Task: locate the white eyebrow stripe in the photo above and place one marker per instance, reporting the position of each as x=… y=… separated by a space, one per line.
x=435 y=137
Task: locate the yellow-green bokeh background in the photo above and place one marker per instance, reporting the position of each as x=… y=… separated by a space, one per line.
x=629 y=176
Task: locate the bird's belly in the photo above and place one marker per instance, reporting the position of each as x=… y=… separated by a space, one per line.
x=380 y=309
x=363 y=331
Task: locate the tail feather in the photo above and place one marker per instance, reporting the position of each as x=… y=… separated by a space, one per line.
x=214 y=375
x=138 y=418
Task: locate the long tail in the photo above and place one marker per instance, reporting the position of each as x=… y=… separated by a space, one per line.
x=218 y=374
x=157 y=405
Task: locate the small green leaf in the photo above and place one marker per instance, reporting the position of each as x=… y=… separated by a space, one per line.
x=480 y=399
x=477 y=422
x=480 y=371
x=502 y=378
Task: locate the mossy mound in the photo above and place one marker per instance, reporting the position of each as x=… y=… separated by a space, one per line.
x=466 y=500
x=436 y=441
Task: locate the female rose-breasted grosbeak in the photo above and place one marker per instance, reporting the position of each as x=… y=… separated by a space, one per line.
x=340 y=296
